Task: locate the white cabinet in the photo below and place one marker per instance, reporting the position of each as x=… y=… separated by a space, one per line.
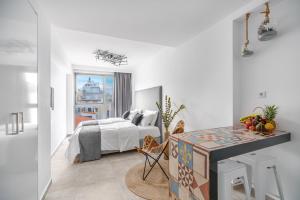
x=18 y=101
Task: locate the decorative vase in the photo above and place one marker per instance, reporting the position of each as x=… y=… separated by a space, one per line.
x=166 y=137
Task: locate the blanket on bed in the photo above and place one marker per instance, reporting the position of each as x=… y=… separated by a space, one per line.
x=89 y=123
x=118 y=136
x=90 y=143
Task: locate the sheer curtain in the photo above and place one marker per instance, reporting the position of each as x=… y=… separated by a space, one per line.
x=122 y=97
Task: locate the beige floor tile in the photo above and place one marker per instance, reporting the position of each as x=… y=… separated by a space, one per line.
x=63 y=169
x=94 y=173
x=103 y=179
x=120 y=167
x=63 y=182
x=124 y=156
x=103 y=190
x=67 y=193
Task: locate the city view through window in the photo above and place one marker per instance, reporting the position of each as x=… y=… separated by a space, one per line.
x=93 y=93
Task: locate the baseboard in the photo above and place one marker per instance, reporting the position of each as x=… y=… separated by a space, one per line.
x=57 y=146
x=45 y=191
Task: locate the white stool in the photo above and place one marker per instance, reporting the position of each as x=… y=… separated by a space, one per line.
x=259 y=166
x=228 y=171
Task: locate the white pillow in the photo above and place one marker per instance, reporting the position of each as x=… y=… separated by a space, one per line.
x=132 y=114
x=152 y=117
x=147 y=120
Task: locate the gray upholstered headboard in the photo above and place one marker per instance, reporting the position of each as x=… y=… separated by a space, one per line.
x=146 y=99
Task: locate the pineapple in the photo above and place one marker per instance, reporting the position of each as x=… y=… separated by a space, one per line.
x=270 y=113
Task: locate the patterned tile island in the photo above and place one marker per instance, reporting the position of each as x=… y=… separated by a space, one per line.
x=194 y=156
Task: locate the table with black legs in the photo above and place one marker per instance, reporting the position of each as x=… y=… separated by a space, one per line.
x=194 y=157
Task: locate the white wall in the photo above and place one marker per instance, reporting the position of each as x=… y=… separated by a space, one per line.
x=275 y=68
x=60 y=68
x=70 y=103
x=197 y=74
x=44 y=128
x=52 y=70
x=200 y=74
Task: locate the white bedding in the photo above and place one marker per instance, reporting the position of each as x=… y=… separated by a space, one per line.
x=116 y=136
x=148 y=130
x=108 y=121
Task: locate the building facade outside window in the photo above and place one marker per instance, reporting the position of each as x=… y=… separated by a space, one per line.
x=93 y=96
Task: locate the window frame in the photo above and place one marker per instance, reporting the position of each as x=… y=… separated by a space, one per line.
x=103 y=74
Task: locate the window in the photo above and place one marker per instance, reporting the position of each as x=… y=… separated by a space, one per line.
x=93 y=96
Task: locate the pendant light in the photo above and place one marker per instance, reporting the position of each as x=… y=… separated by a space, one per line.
x=245 y=51
x=266 y=31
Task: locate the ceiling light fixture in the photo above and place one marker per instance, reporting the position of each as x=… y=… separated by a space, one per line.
x=107 y=56
x=266 y=30
x=245 y=51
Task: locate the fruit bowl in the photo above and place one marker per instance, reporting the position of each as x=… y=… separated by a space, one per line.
x=261 y=123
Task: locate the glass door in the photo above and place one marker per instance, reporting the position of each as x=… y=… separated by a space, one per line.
x=93 y=96
x=18 y=97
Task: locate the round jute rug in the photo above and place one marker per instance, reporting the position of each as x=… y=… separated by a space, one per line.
x=155 y=187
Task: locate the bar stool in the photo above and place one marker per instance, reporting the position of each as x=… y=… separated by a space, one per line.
x=228 y=171
x=259 y=166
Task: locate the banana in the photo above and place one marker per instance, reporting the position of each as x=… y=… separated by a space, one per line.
x=247 y=117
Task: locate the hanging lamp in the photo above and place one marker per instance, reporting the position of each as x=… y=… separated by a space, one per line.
x=245 y=51
x=266 y=30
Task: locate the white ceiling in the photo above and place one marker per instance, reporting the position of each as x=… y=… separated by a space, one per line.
x=164 y=22
x=79 y=47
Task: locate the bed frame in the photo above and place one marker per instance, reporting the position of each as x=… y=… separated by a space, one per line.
x=146 y=100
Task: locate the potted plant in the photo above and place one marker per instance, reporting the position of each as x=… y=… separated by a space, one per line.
x=168 y=114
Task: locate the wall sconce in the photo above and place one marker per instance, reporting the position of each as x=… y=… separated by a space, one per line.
x=266 y=30
x=245 y=51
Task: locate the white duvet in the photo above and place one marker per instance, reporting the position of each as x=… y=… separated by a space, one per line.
x=116 y=134
x=108 y=121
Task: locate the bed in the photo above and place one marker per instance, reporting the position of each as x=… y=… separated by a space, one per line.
x=118 y=134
